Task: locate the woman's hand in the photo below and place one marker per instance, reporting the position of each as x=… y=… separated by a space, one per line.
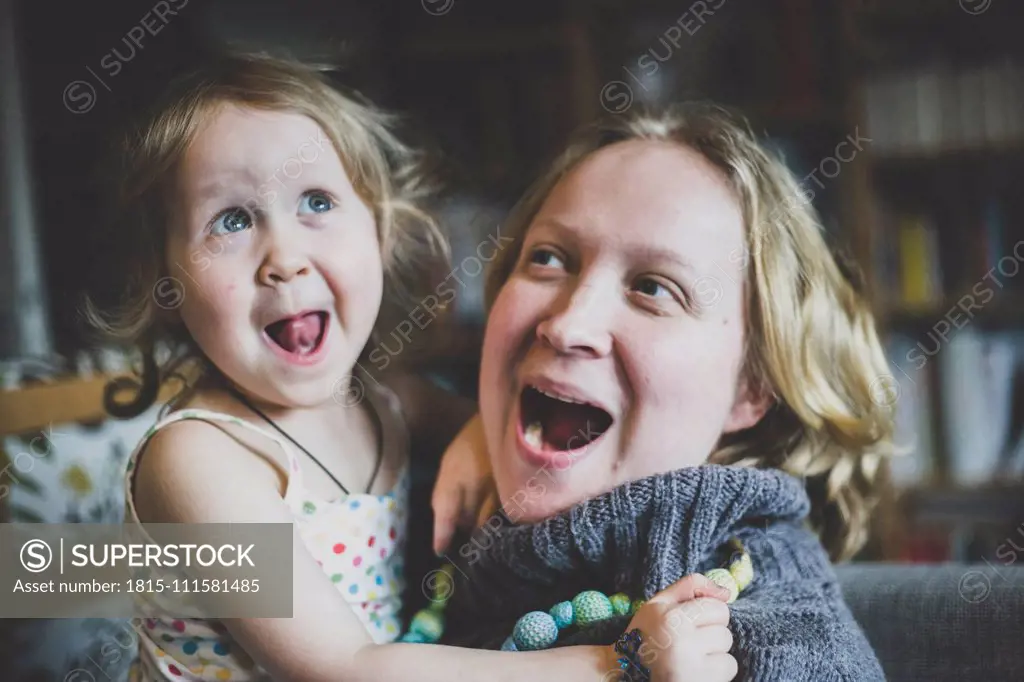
x=464 y=491
x=685 y=632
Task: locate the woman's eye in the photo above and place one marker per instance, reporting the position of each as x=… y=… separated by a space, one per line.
x=546 y=258
x=315 y=202
x=653 y=288
x=232 y=220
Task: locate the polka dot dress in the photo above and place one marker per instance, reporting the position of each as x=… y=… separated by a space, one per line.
x=357 y=539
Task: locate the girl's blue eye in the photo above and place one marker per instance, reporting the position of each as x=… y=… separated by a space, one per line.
x=230 y=221
x=315 y=202
x=546 y=258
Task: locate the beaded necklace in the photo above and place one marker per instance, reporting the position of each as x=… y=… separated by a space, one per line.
x=540 y=629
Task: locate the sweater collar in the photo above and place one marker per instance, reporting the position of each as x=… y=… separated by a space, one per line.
x=637 y=539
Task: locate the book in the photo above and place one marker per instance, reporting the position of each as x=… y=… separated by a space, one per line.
x=976 y=370
x=993 y=85
x=920 y=272
x=929 y=109
x=935 y=108
x=971 y=84
x=914 y=418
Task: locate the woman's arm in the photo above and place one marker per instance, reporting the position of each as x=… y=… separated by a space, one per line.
x=792 y=623
x=464 y=490
x=433 y=415
x=193 y=472
x=794 y=634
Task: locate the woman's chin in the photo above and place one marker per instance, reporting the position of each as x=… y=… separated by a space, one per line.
x=527 y=513
x=527 y=504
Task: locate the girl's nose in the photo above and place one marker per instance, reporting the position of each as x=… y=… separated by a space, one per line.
x=580 y=325
x=284 y=259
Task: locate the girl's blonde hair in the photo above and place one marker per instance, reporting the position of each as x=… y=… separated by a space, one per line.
x=385 y=173
x=811 y=339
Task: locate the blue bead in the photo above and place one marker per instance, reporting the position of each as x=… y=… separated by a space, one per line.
x=413 y=638
x=535 y=630
x=562 y=613
x=509 y=644
x=428 y=624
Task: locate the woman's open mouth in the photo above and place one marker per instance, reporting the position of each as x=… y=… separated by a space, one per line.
x=300 y=337
x=550 y=424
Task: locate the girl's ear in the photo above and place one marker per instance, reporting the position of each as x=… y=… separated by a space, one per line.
x=751 y=404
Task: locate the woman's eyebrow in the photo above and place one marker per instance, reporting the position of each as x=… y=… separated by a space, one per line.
x=560 y=227
x=639 y=252
x=661 y=255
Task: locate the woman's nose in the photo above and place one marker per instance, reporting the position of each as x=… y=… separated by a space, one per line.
x=579 y=324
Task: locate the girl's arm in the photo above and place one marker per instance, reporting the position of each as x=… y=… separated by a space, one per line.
x=194 y=472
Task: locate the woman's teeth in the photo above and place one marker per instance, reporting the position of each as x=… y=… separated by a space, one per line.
x=563 y=398
x=534 y=435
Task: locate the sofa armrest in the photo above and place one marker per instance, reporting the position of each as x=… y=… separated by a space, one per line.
x=940 y=622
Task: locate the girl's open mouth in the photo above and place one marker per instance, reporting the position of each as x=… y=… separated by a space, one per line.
x=553 y=424
x=300 y=336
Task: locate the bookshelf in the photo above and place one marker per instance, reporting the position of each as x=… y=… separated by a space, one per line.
x=501 y=89
x=933 y=213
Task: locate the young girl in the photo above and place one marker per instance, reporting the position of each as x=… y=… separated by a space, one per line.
x=673 y=362
x=267 y=214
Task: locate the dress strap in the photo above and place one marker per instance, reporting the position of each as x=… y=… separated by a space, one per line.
x=294 y=473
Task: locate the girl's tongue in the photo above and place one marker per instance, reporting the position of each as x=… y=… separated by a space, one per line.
x=300 y=334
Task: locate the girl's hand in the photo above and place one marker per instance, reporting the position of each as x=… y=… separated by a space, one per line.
x=685 y=631
x=464 y=492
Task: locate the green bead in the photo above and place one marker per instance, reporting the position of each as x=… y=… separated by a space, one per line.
x=535 y=630
x=428 y=624
x=743 y=571
x=723 y=578
x=562 y=613
x=635 y=606
x=620 y=604
x=443 y=587
x=413 y=638
x=591 y=607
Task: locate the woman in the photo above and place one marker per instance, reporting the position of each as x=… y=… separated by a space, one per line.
x=673 y=363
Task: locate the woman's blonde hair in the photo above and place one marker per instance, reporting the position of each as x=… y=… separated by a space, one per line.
x=811 y=338
x=385 y=173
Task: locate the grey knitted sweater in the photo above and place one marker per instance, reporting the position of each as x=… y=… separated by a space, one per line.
x=790 y=624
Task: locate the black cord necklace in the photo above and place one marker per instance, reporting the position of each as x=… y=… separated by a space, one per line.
x=380 y=450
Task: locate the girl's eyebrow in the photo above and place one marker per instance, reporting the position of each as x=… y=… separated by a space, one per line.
x=210 y=190
x=224 y=182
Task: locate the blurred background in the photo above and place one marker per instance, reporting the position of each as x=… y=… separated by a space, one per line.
x=904 y=120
